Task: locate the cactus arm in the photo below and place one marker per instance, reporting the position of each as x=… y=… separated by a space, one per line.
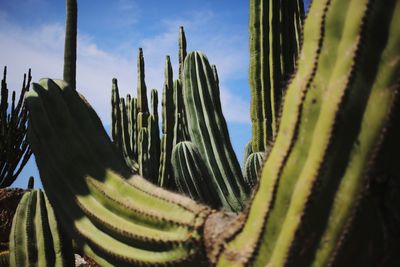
x=145 y=225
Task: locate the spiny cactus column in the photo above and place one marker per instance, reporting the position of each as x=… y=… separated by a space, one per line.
x=252 y=167
x=208 y=131
x=141 y=85
x=313 y=199
x=69 y=74
x=14 y=147
x=192 y=176
x=275 y=30
x=115 y=220
x=165 y=179
x=35 y=238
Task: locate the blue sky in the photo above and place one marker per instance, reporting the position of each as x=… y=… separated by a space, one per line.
x=109 y=34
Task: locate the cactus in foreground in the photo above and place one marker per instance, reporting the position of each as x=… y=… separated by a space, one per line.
x=14 y=147
x=336 y=114
x=35 y=239
x=209 y=132
x=113 y=220
x=275 y=30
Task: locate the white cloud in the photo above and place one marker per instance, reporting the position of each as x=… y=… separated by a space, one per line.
x=42 y=50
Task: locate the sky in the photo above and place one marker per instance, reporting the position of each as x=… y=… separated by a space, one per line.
x=109 y=35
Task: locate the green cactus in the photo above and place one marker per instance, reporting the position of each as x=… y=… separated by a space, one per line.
x=315 y=203
x=113 y=220
x=192 y=176
x=168 y=120
x=35 y=238
x=314 y=181
x=208 y=130
x=252 y=167
x=248 y=149
x=31 y=182
x=69 y=74
x=141 y=85
x=14 y=147
x=275 y=29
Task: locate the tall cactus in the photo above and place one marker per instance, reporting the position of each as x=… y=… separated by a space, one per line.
x=209 y=132
x=14 y=147
x=69 y=74
x=335 y=116
x=165 y=176
x=275 y=29
x=35 y=238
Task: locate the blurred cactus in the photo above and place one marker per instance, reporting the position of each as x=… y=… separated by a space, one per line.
x=31 y=182
x=251 y=168
x=15 y=149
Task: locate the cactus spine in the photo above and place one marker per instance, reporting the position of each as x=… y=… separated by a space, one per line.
x=35 y=238
x=275 y=30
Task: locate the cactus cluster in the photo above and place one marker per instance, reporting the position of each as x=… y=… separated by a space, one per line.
x=191 y=112
x=316 y=201
x=14 y=147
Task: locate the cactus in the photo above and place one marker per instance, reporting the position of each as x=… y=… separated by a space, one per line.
x=275 y=29
x=35 y=238
x=31 y=182
x=164 y=177
x=314 y=204
x=208 y=130
x=314 y=182
x=69 y=74
x=14 y=147
x=252 y=167
x=113 y=220
x=192 y=176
